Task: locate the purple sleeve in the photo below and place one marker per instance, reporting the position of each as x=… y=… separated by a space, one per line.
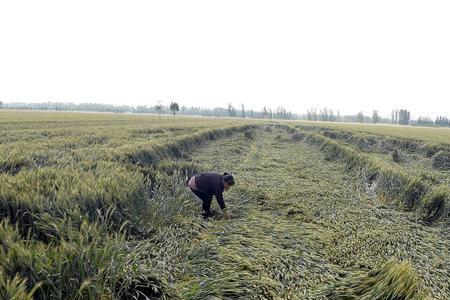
x=220 y=201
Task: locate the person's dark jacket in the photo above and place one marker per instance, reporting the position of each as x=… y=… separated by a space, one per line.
x=211 y=184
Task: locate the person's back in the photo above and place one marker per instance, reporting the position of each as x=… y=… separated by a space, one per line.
x=209 y=184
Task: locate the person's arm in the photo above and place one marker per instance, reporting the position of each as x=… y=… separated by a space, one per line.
x=220 y=201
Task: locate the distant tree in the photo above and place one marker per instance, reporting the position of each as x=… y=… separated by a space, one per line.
x=282 y=113
x=243 y=111
x=404 y=117
x=174 y=107
x=140 y=109
x=159 y=109
x=231 y=110
x=311 y=114
x=265 y=112
x=425 y=121
x=279 y=112
x=1 y=104
x=323 y=115
x=393 y=117
x=396 y=117
x=360 y=117
x=331 y=116
x=338 y=117
x=375 y=117
x=442 y=121
x=251 y=113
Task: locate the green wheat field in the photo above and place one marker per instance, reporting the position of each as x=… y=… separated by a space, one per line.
x=94 y=206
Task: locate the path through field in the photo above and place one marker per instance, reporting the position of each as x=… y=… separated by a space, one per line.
x=299 y=226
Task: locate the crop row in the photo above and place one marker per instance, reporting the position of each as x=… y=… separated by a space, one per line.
x=90 y=185
x=386 y=181
x=439 y=152
x=77 y=231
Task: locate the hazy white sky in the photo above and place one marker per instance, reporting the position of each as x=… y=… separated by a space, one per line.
x=347 y=55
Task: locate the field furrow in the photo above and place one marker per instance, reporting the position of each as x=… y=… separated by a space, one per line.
x=302 y=229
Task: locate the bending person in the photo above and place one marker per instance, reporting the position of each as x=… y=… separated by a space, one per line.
x=209 y=184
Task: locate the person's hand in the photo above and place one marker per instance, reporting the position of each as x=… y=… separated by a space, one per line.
x=226 y=214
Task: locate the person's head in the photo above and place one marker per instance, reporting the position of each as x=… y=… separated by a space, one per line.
x=228 y=180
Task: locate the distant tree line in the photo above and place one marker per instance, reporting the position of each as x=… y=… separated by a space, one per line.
x=160 y=109
x=325 y=114
x=328 y=115
x=424 y=121
x=398 y=116
x=440 y=121
x=401 y=117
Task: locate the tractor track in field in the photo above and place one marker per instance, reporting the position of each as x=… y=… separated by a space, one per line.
x=300 y=225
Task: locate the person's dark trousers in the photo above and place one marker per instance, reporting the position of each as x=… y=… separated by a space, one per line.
x=206 y=205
